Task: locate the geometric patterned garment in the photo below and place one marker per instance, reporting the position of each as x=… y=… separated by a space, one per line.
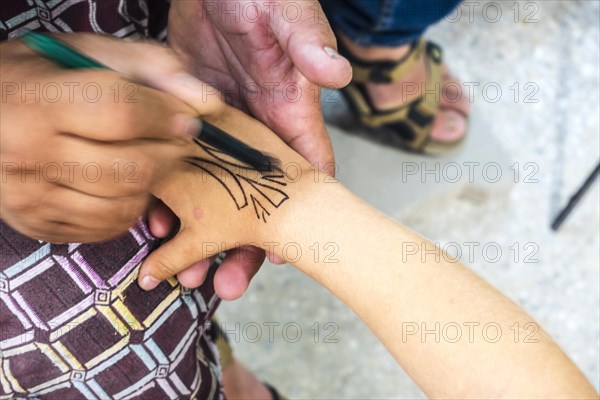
x=74 y=324
x=120 y=18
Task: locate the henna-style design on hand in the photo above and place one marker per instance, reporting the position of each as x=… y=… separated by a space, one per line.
x=268 y=186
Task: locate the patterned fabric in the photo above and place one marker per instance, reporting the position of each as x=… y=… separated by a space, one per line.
x=121 y=18
x=74 y=324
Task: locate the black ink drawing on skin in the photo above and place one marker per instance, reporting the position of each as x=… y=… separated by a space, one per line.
x=267 y=187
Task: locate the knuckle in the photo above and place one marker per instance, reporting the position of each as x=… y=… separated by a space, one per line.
x=144 y=173
x=40 y=230
x=17 y=204
x=126 y=118
x=164 y=267
x=135 y=174
x=131 y=210
x=42 y=235
x=157 y=106
x=113 y=225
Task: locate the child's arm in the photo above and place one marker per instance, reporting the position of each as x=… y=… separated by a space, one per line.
x=480 y=344
x=222 y=205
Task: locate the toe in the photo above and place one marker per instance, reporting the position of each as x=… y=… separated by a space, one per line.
x=455 y=95
x=449 y=126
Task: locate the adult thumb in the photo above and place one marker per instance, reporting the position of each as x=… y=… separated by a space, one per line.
x=304 y=33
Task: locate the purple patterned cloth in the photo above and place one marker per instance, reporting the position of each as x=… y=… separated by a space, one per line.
x=121 y=18
x=74 y=324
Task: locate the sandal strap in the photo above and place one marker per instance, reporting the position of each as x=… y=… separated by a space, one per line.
x=390 y=71
x=412 y=121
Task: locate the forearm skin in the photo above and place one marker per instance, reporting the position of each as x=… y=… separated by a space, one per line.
x=391 y=291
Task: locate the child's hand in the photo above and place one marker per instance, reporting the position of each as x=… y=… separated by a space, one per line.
x=80 y=148
x=224 y=204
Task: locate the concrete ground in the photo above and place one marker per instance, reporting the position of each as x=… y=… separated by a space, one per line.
x=534 y=133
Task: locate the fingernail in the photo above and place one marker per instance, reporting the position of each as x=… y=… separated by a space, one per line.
x=187 y=126
x=332 y=53
x=193 y=127
x=149 y=282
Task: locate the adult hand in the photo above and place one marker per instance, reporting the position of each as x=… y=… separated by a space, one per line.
x=80 y=148
x=269 y=58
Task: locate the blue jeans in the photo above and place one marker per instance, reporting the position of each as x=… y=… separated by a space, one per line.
x=385 y=22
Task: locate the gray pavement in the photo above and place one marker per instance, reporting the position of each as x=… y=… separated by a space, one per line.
x=490 y=203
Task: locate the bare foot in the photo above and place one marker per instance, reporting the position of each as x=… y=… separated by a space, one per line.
x=451 y=120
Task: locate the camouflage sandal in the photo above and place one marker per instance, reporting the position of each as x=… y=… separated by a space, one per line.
x=408 y=126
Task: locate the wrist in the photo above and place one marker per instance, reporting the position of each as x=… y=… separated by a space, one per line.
x=308 y=218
